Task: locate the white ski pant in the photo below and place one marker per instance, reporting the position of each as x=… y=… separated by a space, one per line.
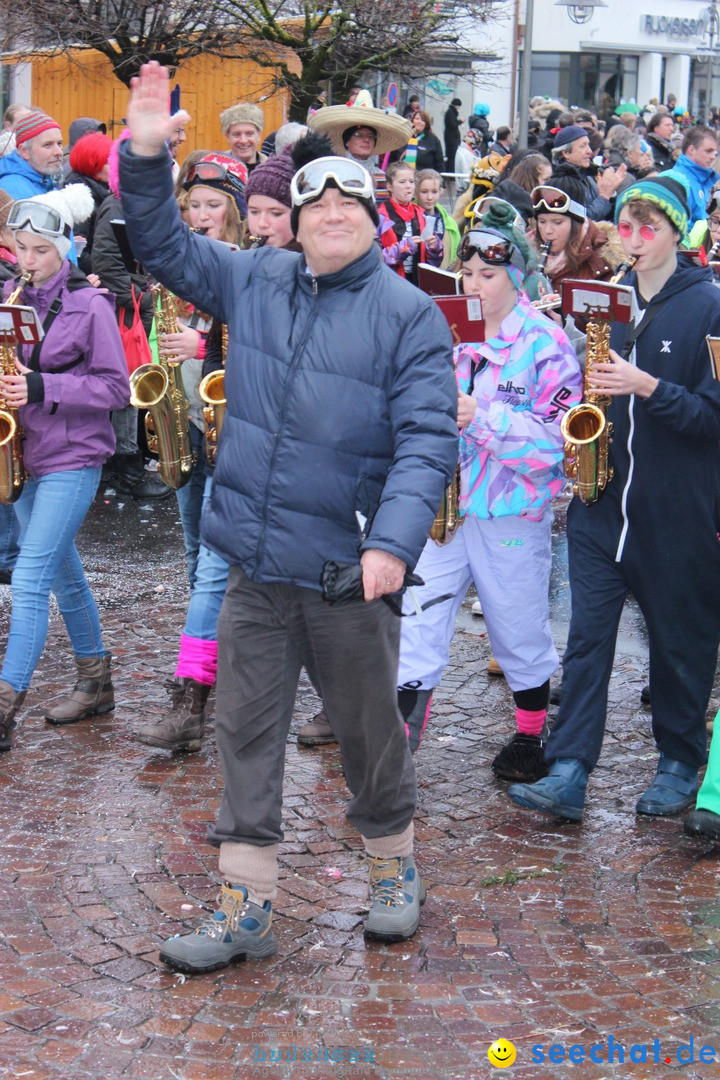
x=509 y=560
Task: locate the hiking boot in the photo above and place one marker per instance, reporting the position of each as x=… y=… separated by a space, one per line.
x=415 y=708
x=672 y=791
x=523 y=758
x=703 y=823
x=561 y=792
x=645 y=695
x=396 y=893
x=10 y=702
x=494 y=668
x=182 y=727
x=317 y=732
x=92 y=694
x=555 y=694
x=239 y=930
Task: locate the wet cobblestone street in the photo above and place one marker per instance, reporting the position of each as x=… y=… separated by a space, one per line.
x=537 y=932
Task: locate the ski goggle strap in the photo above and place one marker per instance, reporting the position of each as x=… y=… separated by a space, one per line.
x=40 y=218
x=551 y=200
x=481 y=206
x=310 y=181
x=492 y=248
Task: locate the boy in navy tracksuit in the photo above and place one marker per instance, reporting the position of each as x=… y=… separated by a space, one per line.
x=654 y=532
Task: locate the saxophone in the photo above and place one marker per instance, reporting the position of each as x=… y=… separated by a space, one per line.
x=12 y=473
x=448 y=520
x=212 y=392
x=158 y=388
x=585 y=427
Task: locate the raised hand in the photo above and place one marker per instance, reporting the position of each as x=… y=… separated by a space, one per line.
x=148 y=113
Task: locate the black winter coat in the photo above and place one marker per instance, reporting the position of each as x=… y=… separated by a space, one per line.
x=99 y=192
x=115 y=265
x=661 y=151
x=665 y=449
x=430 y=153
x=341 y=395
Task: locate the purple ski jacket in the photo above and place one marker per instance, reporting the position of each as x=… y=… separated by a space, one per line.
x=70 y=428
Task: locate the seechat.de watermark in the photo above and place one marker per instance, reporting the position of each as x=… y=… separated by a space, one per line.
x=612 y=1052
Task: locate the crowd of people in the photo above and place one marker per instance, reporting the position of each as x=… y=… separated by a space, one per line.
x=292 y=275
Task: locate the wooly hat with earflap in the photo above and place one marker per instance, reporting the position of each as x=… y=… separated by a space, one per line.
x=73 y=203
x=310 y=148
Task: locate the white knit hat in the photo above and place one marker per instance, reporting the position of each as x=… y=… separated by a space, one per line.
x=73 y=203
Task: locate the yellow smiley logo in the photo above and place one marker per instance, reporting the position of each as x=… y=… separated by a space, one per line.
x=502 y=1054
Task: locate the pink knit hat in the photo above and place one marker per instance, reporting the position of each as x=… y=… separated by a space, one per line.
x=32 y=124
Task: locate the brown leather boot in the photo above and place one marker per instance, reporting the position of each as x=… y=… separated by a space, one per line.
x=182 y=727
x=10 y=702
x=92 y=694
x=316 y=732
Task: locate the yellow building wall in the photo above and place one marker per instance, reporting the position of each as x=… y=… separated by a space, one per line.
x=84 y=85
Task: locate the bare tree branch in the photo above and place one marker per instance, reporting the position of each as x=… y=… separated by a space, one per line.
x=300 y=42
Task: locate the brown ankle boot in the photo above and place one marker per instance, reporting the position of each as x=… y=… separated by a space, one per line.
x=182 y=727
x=92 y=693
x=10 y=702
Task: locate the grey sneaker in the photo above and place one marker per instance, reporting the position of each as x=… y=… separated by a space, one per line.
x=239 y=930
x=396 y=893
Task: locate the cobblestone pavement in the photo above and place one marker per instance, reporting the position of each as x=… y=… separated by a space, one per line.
x=537 y=932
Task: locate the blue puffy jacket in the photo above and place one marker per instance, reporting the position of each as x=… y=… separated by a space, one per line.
x=341 y=396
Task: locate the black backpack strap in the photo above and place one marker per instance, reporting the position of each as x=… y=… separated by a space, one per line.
x=76 y=280
x=55 y=309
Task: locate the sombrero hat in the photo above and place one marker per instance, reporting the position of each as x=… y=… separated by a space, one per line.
x=392 y=130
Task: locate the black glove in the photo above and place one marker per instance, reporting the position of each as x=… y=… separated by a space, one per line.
x=343 y=584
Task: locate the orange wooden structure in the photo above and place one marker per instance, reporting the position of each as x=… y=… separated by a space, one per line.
x=84 y=85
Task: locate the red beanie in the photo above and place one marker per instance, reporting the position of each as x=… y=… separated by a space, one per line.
x=32 y=124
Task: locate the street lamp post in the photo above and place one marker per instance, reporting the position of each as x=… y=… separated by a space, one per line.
x=713 y=32
x=526 y=76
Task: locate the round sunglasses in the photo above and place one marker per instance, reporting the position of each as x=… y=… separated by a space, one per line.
x=645 y=232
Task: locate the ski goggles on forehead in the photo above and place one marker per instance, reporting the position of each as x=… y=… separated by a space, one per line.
x=213 y=170
x=492 y=248
x=552 y=200
x=310 y=181
x=40 y=218
x=481 y=206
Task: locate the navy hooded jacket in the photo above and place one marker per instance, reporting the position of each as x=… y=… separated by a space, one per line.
x=341 y=395
x=665 y=449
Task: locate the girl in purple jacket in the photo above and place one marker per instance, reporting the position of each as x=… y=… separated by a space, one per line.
x=64 y=388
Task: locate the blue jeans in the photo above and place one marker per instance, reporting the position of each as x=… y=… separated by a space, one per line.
x=125 y=426
x=9 y=531
x=50 y=512
x=210 y=582
x=190 y=503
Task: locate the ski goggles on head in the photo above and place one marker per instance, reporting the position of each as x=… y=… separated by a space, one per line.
x=492 y=248
x=40 y=217
x=713 y=203
x=481 y=206
x=551 y=200
x=310 y=181
x=218 y=171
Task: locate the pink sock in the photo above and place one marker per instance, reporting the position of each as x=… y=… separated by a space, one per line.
x=197 y=660
x=530 y=723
